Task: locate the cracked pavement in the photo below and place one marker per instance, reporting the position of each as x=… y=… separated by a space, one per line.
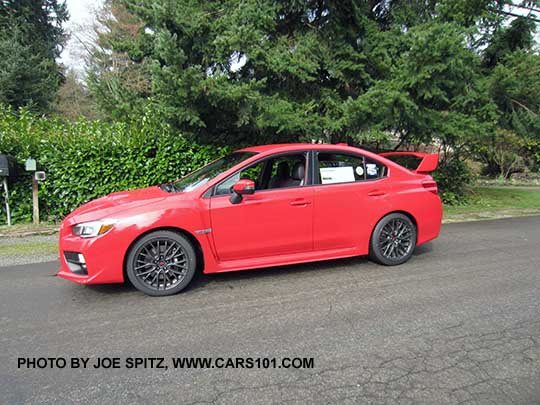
x=459 y=323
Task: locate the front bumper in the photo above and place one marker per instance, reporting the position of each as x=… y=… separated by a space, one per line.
x=104 y=257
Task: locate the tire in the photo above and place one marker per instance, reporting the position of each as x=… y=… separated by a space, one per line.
x=161 y=263
x=393 y=240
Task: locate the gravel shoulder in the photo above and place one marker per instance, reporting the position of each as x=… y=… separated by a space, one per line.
x=16 y=250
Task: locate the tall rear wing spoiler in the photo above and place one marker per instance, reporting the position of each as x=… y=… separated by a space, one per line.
x=424 y=162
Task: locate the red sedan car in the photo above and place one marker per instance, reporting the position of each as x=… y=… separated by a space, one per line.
x=262 y=206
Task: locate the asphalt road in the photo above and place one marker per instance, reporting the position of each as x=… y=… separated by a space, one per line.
x=459 y=323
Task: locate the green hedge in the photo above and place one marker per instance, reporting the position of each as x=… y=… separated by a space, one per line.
x=85 y=160
x=89 y=159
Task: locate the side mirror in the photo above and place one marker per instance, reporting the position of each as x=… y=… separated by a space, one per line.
x=241 y=187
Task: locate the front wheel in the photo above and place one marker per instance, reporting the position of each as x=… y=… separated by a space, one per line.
x=393 y=240
x=161 y=263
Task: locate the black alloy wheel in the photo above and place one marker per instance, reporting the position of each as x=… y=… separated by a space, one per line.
x=161 y=263
x=393 y=240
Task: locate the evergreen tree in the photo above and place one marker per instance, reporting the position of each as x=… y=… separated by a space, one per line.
x=263 y=70
x=256 y=71
x=31 y=39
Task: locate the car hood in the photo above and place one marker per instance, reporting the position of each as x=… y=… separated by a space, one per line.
x=116 y=205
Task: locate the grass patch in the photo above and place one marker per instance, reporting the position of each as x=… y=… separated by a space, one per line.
x=491 y=202
x=17 y=229
x=29 y=248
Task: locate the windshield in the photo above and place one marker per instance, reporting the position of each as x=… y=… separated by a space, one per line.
x=207 y=173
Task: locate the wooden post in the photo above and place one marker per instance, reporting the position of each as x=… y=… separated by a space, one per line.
x=6 y=196
x=35 y=200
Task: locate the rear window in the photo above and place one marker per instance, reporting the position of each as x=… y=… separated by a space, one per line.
x=408 y=161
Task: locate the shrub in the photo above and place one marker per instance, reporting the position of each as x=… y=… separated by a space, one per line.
x=453 y=177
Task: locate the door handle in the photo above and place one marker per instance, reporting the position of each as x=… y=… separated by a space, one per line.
x=300 y=203
x=376 y=193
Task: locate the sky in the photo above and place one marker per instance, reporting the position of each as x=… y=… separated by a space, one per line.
x=82 y=16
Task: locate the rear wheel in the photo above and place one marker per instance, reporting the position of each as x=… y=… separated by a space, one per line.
x=161 y=263
x=393 y=240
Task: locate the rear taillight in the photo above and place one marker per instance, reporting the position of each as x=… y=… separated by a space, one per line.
x=430 y=186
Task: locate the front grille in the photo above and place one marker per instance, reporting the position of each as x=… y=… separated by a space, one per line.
x=76 y=263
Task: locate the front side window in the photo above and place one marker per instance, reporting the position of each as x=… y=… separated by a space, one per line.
x=202 y=176
x=287 y=171
x=253 y=172
x=281 y=171
x=336 y=168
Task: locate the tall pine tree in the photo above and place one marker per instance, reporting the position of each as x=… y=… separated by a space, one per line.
x=31 y=39
x=257 y=71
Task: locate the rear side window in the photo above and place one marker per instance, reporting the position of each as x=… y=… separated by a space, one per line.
x=336 y=168
x=374 y=169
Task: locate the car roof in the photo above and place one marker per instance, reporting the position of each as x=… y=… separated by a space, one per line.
x=280 y=147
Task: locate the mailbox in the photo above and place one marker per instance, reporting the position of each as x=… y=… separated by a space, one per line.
x=7 y=166
x=40 y=176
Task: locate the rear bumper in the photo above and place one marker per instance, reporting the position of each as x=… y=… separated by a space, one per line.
x=430 y=220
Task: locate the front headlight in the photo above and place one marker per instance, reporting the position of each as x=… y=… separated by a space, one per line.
x=93 y=228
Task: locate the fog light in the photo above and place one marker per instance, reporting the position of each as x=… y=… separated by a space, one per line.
x=76 y=263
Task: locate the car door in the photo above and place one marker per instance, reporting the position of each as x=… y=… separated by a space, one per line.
x=275 y=220
x=351 y=192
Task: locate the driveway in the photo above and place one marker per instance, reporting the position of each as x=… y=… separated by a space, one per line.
x=459 y=322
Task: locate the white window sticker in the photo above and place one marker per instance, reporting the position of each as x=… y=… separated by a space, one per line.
x=331 y=175
x=371 y=169
x=359 y=170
